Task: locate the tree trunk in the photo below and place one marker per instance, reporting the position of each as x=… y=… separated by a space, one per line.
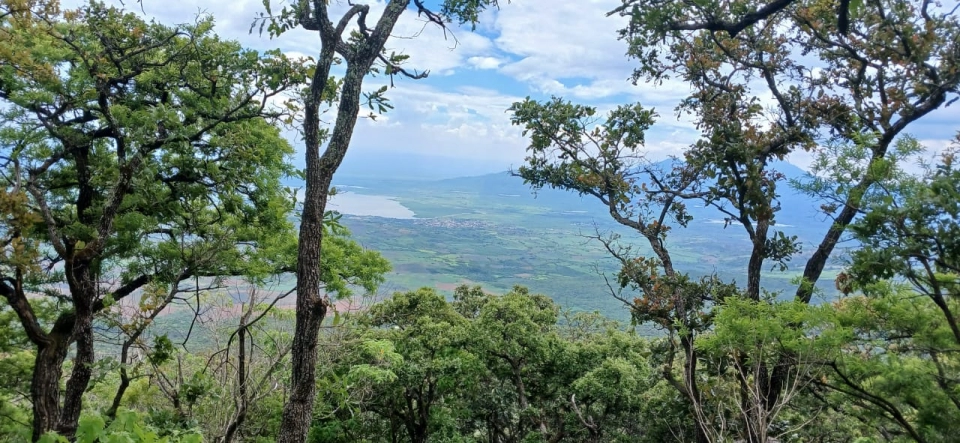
x=52 y=350
x=755 y=266
x=311 y=306
x=415 y=423
x=702 y=435
x=45 y=386
x=83 y=289
x=242 y=399
x=80 y=376
x=121 y=390
x=693 y=390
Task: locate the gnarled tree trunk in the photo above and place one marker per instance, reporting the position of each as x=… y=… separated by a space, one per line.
x=45 y=386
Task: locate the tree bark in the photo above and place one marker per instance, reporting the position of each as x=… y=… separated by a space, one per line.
x=79 y=377
x=45 y=385
x=52 y=348
x=121 y=388
x=83 y=288
x=755 y=266
x=311 y=307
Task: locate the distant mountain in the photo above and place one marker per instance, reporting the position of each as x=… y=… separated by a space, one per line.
x=394 y=165
x=504 y=184
x=798 y=214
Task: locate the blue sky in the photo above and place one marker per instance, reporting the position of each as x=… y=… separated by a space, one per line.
x=457 y=116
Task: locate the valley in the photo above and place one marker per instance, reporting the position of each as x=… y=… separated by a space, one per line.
x=494 y=231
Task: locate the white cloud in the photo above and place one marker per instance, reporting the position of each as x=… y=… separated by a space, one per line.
x=555 y=41
x=470 y=123
x=546 y=47
x=485 y=62
x=429 y=47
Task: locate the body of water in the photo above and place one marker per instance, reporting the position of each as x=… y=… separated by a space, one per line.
x=349 y=203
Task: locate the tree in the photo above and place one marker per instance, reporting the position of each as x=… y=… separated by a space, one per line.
x=860 y=89
x=516 y=335
x=132 y=153
x=497 y=368
x=748 y=337
x=898 y=370
x=911 y=231
x=899 y=322
x=613 y=394
x=360 y=50
x=437 y=364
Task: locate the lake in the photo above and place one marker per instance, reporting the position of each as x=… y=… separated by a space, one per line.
x=349 y=203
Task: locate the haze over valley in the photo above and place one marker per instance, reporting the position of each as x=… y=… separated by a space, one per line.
x=493 y=230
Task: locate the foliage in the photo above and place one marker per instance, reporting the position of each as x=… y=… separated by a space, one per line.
x=747 y=338
x=900 y=332
x=855 y=91
x=127 y=427
x=899 y=364
x=133 y=153
x=348 y=266
x=498 y=368
x=911 y=231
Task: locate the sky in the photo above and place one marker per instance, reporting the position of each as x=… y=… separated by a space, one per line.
x=455 y=122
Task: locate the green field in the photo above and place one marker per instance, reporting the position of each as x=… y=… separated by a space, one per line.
x=492 y=231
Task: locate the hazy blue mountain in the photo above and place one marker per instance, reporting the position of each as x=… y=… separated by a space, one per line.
x=504 y=184
x=406 y=166
x=797 y=209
